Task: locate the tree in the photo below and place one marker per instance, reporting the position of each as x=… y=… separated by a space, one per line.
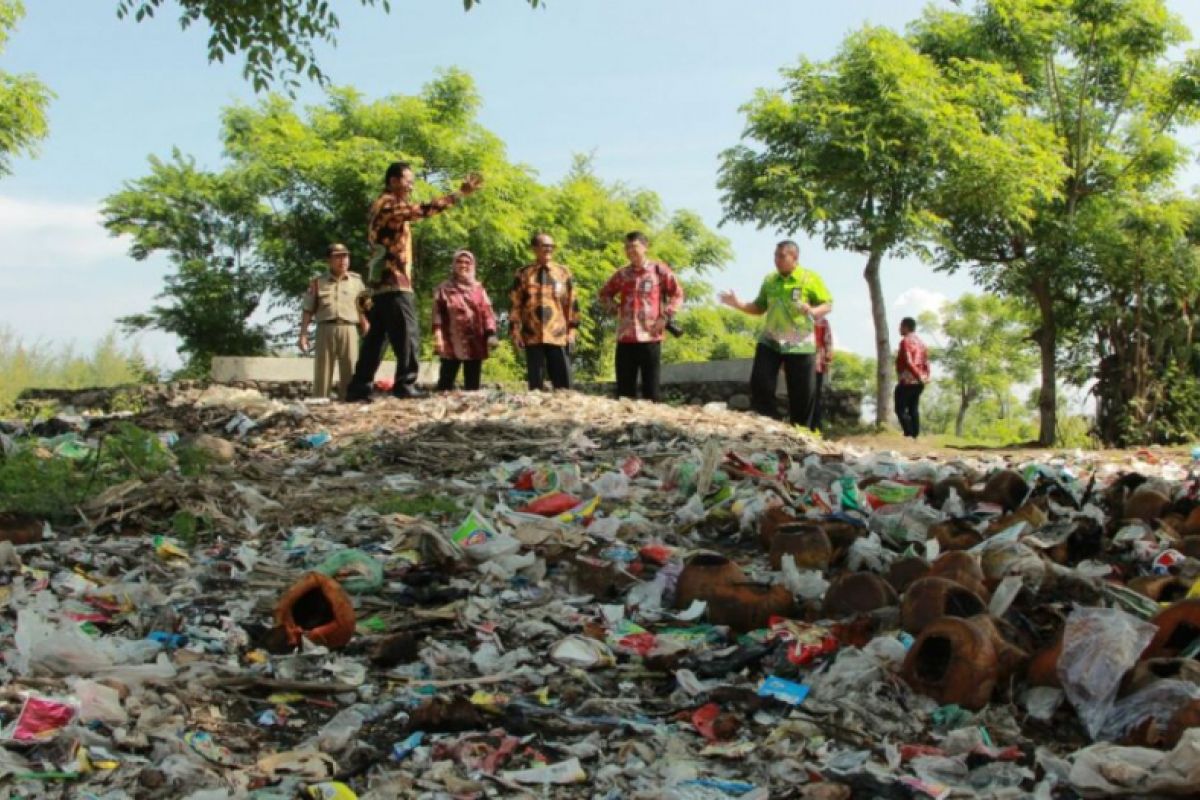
x=1143 y=306
x=276 y=36
x=297 y=180
x=984 y=349
x=851 y=372
x=870 y=150
x=23 y=100
x=1098 y=73
x=207 y=225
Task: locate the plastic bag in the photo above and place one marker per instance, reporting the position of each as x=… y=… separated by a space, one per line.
x=868 y=553
x=611 y=485
x=58 y=649
x=1099 y=646
x=580 y=651
x=336 y=734
x=1110 y=769
x=357 y=572
x=807 y=584
x=499 y=545
x=852 y=669
x=133 y=676
x=1158 y=701
x=98 y=703
x=647 y=596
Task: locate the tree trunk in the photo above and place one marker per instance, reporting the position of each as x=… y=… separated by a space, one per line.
x=1047 y=339
x=964 y=400
x=883 y=345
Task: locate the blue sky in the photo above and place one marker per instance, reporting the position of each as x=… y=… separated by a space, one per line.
x=650 y=87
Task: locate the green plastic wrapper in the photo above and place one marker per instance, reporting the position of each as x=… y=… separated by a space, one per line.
x=358 y=572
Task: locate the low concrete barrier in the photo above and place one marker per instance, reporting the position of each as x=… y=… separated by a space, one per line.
x=233 y=369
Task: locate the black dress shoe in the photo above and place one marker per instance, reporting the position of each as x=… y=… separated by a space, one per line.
x=408 y=393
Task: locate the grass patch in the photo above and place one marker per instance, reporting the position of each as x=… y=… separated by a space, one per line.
x=416 y=505
x=39 y=481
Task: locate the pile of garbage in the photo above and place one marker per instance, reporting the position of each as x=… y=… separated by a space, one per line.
x=479 y=595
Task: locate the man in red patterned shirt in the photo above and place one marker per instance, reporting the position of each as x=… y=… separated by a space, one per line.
x=645 y=296
x=912 y=373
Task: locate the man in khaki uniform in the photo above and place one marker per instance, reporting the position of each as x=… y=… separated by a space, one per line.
x=333 y=300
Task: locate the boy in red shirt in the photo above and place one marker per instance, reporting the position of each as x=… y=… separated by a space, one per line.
x=912 y=373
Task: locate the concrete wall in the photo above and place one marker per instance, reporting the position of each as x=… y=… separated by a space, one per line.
x=234 y=369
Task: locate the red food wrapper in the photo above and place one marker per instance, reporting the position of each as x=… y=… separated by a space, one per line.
x=551 y=505
x=41 y=719
x=385 y=384
x=806 y=643
x=703 y=719
x=641 y=644
x=910 y=751
x=631 y=466
x=657 y=553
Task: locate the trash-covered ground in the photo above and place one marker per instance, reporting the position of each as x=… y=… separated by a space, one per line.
x=565 y=596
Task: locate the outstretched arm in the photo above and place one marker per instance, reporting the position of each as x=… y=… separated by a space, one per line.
x=730 y=299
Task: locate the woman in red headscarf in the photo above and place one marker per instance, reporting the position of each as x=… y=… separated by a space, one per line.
x=464 y=325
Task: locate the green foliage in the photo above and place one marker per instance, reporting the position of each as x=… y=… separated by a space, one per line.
x=299 y=180
x=206 y=223
x=994 y=420
x=192 y=461
x=187 y=526
x=23 y=100
x=418 y=505
x=277 y=37
x=35 y=481
x=1142 y=303
x=984 y=349
x=44 y=366
x=854 y=373
x=873 y=149
x=712 y=333
x=1099 y=75
x=137 y=451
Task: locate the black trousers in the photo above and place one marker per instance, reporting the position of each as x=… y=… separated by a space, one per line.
x=764 y=377
x=638 y=358
x=543 y=359
x=393 y=319
x=908 y=407
x=817 y=413
x=448 y=373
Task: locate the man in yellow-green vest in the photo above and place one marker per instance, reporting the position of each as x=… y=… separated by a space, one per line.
x=792 y=299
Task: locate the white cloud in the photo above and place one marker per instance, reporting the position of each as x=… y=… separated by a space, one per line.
x=40 y=234
x=68 y=281
x=917 y=300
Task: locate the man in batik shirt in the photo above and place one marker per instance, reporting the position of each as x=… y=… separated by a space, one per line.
x=792 y=299
x=544 y=316
x=645 y=296
x=393 y=313
x=912 y=373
